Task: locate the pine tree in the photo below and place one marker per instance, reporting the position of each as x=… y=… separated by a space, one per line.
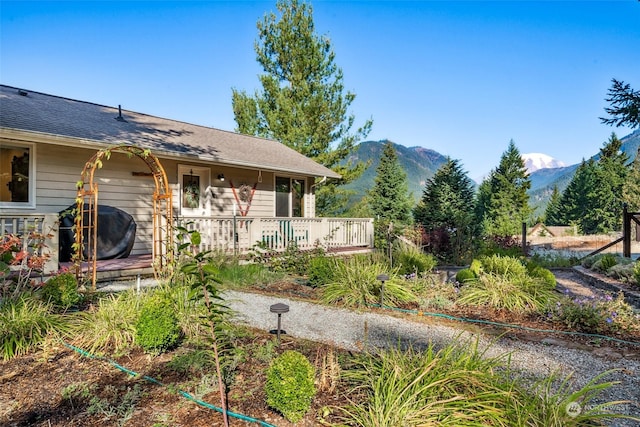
x=389 y=197
x=303 y=103
x=593 y=199
x=624 y=105
x=631 y=187
x=553 y=213
x=573 y=202
x=446 y=212
x=503 y=201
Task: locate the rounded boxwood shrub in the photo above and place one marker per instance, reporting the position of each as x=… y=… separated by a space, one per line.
x=465 y=275
x=539 y=272
x=61 y=290
x=290 y=385
x=321 y=270
x=157 y=328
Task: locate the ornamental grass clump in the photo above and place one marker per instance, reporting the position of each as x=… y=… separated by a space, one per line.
x=290 y=385
x=460 y=385
x=355 y=284
x=25 y=322
x=505 y=283
x=108 y=327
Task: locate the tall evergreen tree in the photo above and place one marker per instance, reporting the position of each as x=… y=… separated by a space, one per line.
x=631 y=187
x=503 y=200
x=303 y=102
x=553 y=213
x=624 y=106
x=389 y=197
x=446 y=212
x=574 y=198
x=594 y=197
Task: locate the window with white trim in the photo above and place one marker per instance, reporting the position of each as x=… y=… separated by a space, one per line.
x=17 y=175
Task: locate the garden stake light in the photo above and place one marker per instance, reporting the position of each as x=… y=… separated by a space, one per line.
x=279 y=308
x=383 y=278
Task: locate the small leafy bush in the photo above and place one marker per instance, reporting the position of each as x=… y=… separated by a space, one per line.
x=321 y=270
x=604 y=263
x=503 y=266
x=546 y=275
x=636 y=272
x=622 y=272
x=61 y=290
x=157 y=328
x=290 y=385
x=476 y=267
x=595 y=314
x=410 y=259
x=465 y=275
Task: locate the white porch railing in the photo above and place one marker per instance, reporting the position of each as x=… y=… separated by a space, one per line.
x=23 y=225
x=277 y=233
x=218 y=233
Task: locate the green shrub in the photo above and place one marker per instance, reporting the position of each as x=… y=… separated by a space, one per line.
x=157 y=327
x=622 y=272
x=25 y=322
x=61 y=290
x=546 y=275
x=410 y=259
x=595 y=314
x=290 y=385
x=321 y=270
x=476 y=267
x=503 y=266
x=636 y=272
x=604 y=263
x=465 y=275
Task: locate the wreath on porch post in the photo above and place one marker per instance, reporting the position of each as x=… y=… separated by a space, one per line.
x=244 y=193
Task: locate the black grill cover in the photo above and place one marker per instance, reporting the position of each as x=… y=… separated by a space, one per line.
x=116 y=233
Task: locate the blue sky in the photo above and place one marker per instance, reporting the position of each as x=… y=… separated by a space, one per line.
x=462 y=78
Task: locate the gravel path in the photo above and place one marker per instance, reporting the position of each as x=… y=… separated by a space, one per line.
x=355 y=330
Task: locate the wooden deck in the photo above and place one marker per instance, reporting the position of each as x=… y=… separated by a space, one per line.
x=112 y=269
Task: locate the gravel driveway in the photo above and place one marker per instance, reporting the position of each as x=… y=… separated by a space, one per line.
x=355 y=330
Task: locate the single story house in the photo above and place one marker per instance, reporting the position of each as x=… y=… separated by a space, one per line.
x=235 y=189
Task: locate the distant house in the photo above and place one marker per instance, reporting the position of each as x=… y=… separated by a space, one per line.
x=213 y=175
x=541 y=230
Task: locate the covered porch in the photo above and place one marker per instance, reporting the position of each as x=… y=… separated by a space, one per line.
x=234 y=235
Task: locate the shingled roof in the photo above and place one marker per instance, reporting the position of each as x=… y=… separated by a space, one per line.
x=89 y=123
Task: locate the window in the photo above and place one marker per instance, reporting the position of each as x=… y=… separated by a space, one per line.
x=17 y=176
x=289 y=197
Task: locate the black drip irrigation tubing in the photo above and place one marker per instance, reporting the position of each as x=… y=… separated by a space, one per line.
x=504 y=325
x=181 y=392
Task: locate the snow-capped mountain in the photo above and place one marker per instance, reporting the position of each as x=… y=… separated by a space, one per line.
x=536 y=161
